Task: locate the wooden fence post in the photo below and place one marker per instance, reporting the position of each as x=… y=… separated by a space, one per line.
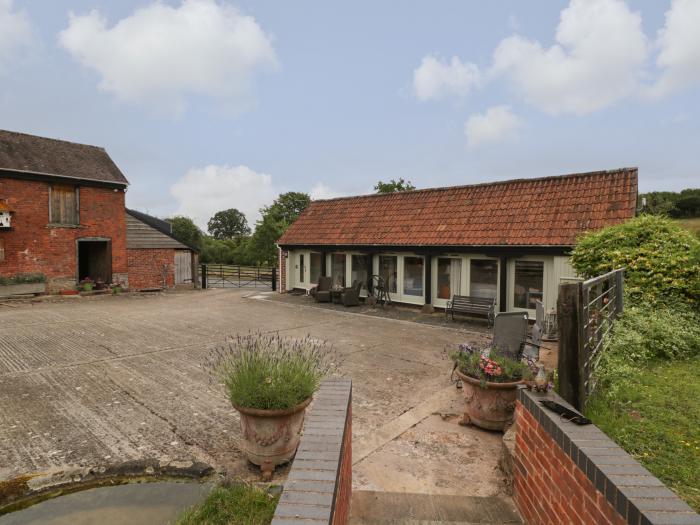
x=274 y=279
x=570 y=347
x=204 y=277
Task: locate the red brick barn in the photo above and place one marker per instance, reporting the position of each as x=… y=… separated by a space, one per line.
x=67 y=211
x=157 y=260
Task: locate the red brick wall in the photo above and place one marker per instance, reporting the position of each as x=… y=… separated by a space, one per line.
x=146 y=268
x=341 y=511
x=32 y=246
x=282 y=285
x=548 y=487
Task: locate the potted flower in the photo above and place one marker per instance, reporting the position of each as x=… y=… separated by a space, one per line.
x=117 y=288
x=489 y=382
x=87 y=284
x=270 y=381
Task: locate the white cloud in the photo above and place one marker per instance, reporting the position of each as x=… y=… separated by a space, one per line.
x=436 y=78
x=495 y=125
x=323 y=191
x=15 y=33
x=160 y=54
x=597 y=60
x=679 y=48
x=204 y=191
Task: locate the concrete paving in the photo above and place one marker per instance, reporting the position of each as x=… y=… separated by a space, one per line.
x=93 y=382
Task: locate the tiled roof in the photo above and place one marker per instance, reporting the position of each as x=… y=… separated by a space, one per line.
x=549 y=211
x=29 y=153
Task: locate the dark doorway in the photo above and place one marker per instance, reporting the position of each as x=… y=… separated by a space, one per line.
x=95 y=260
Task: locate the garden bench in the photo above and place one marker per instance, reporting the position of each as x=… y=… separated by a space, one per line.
x=466 y=304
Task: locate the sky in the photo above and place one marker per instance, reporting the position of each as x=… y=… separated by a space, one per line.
x=211 y=104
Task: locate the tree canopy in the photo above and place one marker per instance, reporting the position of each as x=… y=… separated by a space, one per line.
x=186 y=231
x=685 y=203
x=228 y=224
x=394 y=186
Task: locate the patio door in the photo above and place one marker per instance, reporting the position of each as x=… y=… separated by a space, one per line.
x=315 y=261
x=449 y=280
x=483 y=278
x=359 y=272
x=389 y=272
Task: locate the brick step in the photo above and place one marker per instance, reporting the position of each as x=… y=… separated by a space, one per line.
x=389 y=508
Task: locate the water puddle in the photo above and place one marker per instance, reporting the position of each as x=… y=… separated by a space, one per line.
x=132 y=504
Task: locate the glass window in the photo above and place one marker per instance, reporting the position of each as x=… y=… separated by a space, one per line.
x=388 y=271
x=449 y=278
x=301 y=267
x=358 y=271
x=483 y=278
x=63 y=204
x=338 y=269
x=315 y=267
x=413 y=276
x=529 y=278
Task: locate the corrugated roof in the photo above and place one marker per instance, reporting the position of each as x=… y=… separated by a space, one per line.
x=28 y=153
x=141 y=235
x=550 y=211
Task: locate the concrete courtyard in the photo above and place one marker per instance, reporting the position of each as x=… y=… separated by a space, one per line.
x=97 y=382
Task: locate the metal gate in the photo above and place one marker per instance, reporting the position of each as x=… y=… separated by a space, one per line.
x=235 y=276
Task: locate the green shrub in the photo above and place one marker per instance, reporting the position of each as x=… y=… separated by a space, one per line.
x=238 y=504
x=644 y=334
x=661 y=258
x=269 y=371
x=23 y=278
x=496 y=368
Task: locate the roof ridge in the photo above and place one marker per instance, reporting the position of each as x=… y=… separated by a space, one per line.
x=479 y=184
x=52 y=139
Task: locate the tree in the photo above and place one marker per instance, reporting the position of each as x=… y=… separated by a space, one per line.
x=186 y=231
x=228 y=224
x=394 y=186
x=275 y=220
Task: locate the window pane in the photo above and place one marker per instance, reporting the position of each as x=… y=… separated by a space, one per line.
x=387 y=271
x=358 y=271
x=338 y=269
x=301 y=267
x=413 y=276
x=483 y=278
x=529 y=276
x=449 y=277
x=315 y=269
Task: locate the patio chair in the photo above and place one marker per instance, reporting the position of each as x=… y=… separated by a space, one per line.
x=510 y=336
x=351 y=295
x=322 y=293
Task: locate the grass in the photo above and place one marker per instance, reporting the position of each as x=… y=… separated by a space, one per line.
x=655 y=419
x=691 y=224
x=238 y=504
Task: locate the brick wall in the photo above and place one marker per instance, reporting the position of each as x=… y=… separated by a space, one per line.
x=566 y=473
x=33 y=246
x=146 y=268
x=282 y=265
x=319 y=485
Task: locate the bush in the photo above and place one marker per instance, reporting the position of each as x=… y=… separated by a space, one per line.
x=269 y=371
x=644 y=334
x=661 y=258
x=238 y=504
x=23 y=278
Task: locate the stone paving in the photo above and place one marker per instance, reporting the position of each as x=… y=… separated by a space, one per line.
x=94 y=382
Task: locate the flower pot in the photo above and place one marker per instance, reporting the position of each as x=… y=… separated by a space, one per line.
x=87 y=287
x=490 y=406
x=271 y=437
x=7 y=290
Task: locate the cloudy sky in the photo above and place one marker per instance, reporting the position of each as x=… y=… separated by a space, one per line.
x=211 y=104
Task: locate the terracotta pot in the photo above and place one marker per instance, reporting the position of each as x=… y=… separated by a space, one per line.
x=490 y=406
x=271 y=437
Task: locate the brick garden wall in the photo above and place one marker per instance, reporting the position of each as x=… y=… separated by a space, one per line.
x=565 y=473
x=146 y=268
x=32 y=246
x=319 y=485
x=282 y=265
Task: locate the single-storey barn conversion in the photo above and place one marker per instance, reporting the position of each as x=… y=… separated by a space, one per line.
x=508 y=241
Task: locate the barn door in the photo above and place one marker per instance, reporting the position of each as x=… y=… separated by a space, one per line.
x=183 y=267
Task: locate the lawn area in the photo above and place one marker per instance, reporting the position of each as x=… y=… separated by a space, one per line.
x=238 y=504
x=657 y=420
x=691 y=224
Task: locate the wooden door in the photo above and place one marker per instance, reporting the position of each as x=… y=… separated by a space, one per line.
x=183 y=267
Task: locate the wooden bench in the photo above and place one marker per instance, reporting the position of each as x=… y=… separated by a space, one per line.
x=465 y=304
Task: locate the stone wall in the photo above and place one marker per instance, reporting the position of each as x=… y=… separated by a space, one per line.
x=566 y=473
x=319 y=485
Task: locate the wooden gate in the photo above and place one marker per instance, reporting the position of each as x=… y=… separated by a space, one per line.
x=183 y=267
